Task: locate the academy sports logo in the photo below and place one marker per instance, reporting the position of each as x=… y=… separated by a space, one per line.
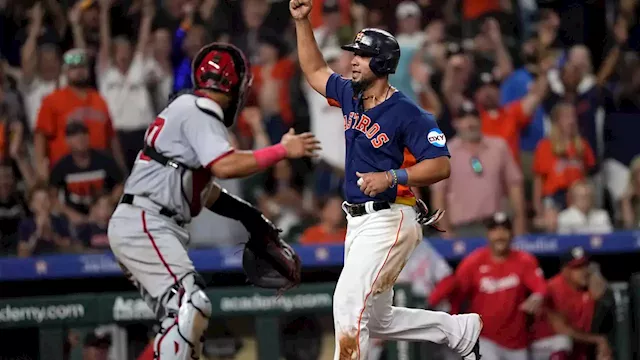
x=436 y=137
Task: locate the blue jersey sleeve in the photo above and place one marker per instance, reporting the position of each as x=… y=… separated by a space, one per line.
x=424 y=139
x=338 y=90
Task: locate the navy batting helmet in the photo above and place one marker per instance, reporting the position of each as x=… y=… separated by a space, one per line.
x=224 y=68
x=380 y=46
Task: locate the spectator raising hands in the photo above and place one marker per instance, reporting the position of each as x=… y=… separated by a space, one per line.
x=40 y=65
x=122 y=82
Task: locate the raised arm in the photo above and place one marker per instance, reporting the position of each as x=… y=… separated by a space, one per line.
x=504 y=65
x=28 y=53
x=59 y=20
x=315 y=69
x=148 y=13
x=76 y=29
x=104 y=54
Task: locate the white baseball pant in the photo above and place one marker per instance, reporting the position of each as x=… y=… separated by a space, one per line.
x=377 y=247
x=152 y=251
x=491 y=350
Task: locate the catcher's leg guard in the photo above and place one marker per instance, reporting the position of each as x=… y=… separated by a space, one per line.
x=187 y=316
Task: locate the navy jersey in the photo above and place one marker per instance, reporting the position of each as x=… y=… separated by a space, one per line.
x=394 y=134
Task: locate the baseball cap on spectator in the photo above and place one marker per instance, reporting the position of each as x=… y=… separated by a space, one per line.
x=454 y=48
x=486 y=78
x=576 y=257
x=483 y=79
x=94 y=339
x=75 y=127
x=499 y=219
x=75 y=57
x=467 y=108
x=406 y=9
x=330 y=6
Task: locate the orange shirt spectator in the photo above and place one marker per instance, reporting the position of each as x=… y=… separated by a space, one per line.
x=561 y=159
x=65 y=105
x=506 y=122
x=559 y=172
x=320 y=234
x=281 y=72
x=331 y=229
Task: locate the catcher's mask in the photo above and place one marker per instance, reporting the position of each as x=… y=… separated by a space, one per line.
x=224 y=68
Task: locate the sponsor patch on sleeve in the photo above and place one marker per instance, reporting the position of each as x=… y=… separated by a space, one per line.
x=436 y=137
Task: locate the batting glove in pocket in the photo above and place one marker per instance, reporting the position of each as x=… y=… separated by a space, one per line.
x=428 y=218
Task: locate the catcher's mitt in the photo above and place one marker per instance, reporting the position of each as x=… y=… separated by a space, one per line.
x=268 y=261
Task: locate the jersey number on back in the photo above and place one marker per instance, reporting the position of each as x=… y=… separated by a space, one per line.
x=151 y=135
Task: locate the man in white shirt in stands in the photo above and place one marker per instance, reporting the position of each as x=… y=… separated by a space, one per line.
x=122 y=82
x=327 y=34
x=581 y=217
x=41 y=66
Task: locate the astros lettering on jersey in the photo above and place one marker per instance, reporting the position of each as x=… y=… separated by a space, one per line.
x=394 y=134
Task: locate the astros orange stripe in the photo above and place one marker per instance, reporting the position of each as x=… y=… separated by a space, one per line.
x=364 y=306
x=408 y=160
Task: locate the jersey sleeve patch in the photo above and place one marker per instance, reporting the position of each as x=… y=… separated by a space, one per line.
x=436 y=138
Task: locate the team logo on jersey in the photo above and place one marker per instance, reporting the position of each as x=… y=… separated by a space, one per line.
x=436 y=137
x=364 y=124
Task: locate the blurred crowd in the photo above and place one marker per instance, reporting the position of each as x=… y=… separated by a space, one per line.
x=539 y=102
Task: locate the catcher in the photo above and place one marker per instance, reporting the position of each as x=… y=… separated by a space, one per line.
x=184 y=148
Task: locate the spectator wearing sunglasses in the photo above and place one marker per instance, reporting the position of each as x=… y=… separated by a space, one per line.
x=561 y=159
x=483 y=172
x=77 y=102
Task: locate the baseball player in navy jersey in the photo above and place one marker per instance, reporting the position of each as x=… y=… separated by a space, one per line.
x=391 y=145
x=171 y=181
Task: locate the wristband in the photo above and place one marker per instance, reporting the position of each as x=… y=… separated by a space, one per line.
x=394 y=178
x=402 y=176
x=269 y=156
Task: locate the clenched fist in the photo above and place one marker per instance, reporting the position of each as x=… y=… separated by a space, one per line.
x=300 y=9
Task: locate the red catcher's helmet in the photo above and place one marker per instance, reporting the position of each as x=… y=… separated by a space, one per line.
x=224 y=68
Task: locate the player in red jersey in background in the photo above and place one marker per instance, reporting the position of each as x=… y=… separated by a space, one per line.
x=501 y=284
x=567 y=315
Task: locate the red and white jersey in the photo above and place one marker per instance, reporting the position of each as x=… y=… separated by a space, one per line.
x=188 y=132
x=496 y=289
x=575 y=305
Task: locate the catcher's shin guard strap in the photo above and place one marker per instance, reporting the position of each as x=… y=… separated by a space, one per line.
x=235 y=208
x=189 y=310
